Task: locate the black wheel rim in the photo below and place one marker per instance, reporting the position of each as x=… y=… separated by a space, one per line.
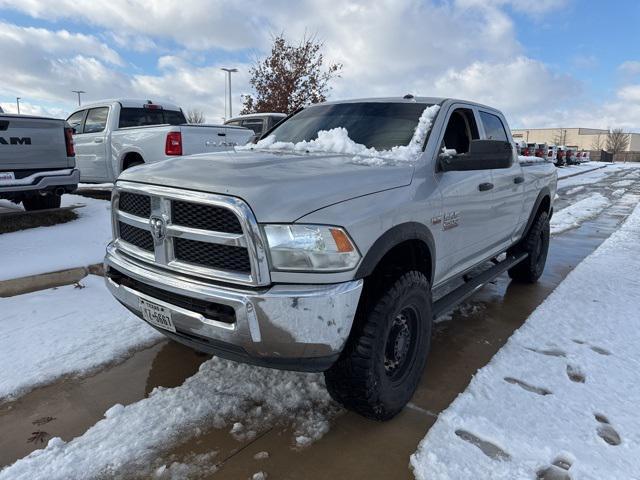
x=401 y=343
x=540 y=251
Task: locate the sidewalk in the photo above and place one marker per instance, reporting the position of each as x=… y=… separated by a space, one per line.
x=560 y=399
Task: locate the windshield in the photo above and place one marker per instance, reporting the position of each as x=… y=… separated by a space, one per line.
x=380 y=126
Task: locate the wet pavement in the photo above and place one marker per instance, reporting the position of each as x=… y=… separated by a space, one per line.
x=354 y=447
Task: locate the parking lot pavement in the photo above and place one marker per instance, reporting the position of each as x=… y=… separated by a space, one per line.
x=203 y=427
x=78 y=243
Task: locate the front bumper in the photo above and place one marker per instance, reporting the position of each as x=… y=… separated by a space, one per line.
x=43 y=181
x=292 y=327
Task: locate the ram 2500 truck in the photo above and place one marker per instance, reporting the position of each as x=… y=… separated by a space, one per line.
x=37 y=163
x=333 y=243
x=113 y=135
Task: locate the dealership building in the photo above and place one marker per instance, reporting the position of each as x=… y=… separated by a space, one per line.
x=583 y=138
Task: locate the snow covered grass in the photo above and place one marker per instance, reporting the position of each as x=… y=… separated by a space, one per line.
x=337 y=140
x=575 y=214
x=220 y=394
x=560 y=399
x=77 y=243
x=65 y=331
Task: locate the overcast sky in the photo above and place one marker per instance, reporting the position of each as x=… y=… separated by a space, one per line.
x=543 y=62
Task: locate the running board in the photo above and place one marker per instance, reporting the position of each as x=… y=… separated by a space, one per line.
x=451 y=299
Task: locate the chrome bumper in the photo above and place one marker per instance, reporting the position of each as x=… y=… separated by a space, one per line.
x=294 y=327
x=43 y=181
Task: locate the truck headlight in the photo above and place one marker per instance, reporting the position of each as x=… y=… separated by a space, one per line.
x=310 y=248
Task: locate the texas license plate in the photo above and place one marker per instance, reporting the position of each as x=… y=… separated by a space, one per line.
x=7 y=177
x=157 y=315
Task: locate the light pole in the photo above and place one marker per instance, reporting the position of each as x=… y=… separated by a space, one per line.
x=79 y=92
x=228 y=91
x=18 y=104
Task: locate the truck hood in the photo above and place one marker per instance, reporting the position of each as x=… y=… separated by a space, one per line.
x=279 y=187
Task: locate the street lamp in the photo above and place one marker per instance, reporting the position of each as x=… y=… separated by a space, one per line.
x=228 y=90
x=18 y=104
x=79 y=92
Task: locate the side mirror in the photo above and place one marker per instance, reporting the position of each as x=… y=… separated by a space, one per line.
x=483 y=155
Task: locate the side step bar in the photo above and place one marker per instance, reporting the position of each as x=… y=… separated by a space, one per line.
x=451 y=299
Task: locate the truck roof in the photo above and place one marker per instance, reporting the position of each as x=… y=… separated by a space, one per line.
x=413 y=99
x=254 y=115
x=131 y=103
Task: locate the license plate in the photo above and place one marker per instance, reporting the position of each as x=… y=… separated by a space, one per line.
x=7 y=177
x=157 y=315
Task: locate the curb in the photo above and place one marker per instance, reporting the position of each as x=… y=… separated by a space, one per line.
x=582 y=173
x=43 y=281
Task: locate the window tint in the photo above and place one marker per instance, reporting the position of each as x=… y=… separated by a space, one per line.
x=493 y=127
x=235 y=123
x=96 y=120
x=140 y=117
x=254 y=124
x=376 y=125
x=75 y=120
x=460 y=130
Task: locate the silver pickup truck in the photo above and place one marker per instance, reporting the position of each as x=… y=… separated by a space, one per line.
x=333 y=243
x=113 y=135
x=37 y=161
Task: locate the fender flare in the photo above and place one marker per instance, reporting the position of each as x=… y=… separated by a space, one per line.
x=393 y=237
x=123 y=156
x=545 y=192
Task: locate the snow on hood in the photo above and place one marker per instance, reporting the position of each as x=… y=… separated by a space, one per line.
x=337 y=140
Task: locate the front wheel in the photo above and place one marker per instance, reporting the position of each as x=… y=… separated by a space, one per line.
x=381 y=365
x=536 y=244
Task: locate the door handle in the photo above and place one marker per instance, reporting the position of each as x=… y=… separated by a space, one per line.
x=517 y=180
x=483 y=187
x=98 y=140
x=220 y=134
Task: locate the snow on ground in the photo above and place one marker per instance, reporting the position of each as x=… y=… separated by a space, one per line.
x=623 y=183
x=337 y=140
x=573 y=215
x=576 y=190
x=560 y=399
x=569 y=170
x=220 y=395
x=69 y=330
x=77 y=243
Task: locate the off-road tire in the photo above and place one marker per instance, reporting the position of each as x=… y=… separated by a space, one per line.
x=361 y=379
x=41 y=203
x=536 y=244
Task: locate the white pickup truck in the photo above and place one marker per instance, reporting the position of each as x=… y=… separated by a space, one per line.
x=113 y=135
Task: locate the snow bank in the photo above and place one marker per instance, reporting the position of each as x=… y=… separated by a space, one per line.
x=560 y=399
x=78 y=243
x=221 y=394
x=69 y=330
x=575 y=214
x=337 y=140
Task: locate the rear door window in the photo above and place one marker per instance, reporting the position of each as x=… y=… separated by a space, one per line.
x=75 y=121
x=255 y=124
x=141 y=117
x=493 y=127
x=96 y=120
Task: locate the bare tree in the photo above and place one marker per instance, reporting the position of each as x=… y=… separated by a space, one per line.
x=617 y=141
x=597 y=143
x=195 y=116
x=291 y=77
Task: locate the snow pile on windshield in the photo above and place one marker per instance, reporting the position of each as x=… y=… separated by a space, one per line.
x=337 y=140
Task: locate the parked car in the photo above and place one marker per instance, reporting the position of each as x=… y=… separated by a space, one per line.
x=260 y=123
x=114 y=135
x=540 y=150
x=520 y=146
x=570 y=155
x=561 y=156
x=530 y=150
x=316 y=260
x=552 y=153
x=37 y=164
x=586 y=156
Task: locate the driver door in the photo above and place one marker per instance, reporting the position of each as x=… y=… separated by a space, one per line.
x=464 y=235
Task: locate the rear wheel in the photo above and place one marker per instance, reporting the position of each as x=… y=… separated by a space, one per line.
x=381 y=365
x=41 y=202
x=536 y=244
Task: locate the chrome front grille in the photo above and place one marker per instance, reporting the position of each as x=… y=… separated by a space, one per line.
x=200 y=234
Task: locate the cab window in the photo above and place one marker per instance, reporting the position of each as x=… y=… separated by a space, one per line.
x=75 y=121
x=493 y=127
x=96 y=120
x=254 y=124
x=461 y=129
